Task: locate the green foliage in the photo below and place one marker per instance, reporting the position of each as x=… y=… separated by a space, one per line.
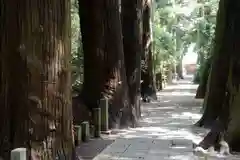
x=77 y=53
x=170 y=34
x=205 y=36
x=175 y=30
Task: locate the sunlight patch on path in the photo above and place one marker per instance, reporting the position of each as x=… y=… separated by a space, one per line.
x=167 y=131
x=179 y=93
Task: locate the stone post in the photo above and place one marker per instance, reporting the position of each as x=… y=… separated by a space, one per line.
x=97 y=121
x=104 y=114
x=78 y=134
x=19 y=154
x=85 y=131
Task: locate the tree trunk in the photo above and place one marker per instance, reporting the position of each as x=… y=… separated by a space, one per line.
x=104 y=68
x=132 y=40
x=5 y=144
x=179 y=68
x=92 y=30
x=170 y=74
x=148 y=85
x=116 y=87
x=229 y=113
x=218 y=76
x=37 y=87
x=202 y=88
x=159 y=81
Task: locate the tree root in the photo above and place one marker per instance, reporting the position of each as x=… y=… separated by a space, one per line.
x=211 y=139
x=200 y=94
x=214 y=141
x=203 y=123
x=206 y=123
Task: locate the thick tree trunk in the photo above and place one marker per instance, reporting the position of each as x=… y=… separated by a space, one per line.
x=104 y=68
x=5 y=144
x=148 y=85
x=229 y=113
x=202 y=88
x=116 y=87
x=91 y=22
x=218 y=76
x=132 y=40
x=36 y=50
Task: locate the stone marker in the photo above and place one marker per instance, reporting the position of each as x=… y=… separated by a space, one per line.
x=19 y=154
x=104 y=114
x=97 y=121
x=85 y=131
x=78 y=130
x=92 y=131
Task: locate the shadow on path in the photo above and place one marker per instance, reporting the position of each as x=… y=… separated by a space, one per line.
x=89 y=150
x=166 y=131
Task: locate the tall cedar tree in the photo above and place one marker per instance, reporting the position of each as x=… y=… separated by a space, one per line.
x=148 y=86
x=132 y=39
x=35 y=78
x=227 y=124
x=104 y=68
x=216 y=89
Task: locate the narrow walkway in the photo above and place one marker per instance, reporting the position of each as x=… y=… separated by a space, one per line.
x=167 y=130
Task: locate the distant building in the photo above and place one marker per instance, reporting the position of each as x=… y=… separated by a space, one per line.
x=190 y=60
x=190 y=68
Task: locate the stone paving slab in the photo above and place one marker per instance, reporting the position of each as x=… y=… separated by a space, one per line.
x=87 y=151
x=166 y=132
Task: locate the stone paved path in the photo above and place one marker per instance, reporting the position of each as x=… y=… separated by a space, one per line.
x=166 y=133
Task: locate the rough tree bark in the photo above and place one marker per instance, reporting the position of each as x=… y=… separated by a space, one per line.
x=104 y=59
x=215 y=94
x=228 y=119
x=148 y=87
x=116 y=87
x=92 y=30
x=132 y=40
x=36 y=49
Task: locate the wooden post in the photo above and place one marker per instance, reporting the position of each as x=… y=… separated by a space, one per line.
x=78 y=130
x=97 y=121
x=19 y=154
x=104 y=114
x=85 y=131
